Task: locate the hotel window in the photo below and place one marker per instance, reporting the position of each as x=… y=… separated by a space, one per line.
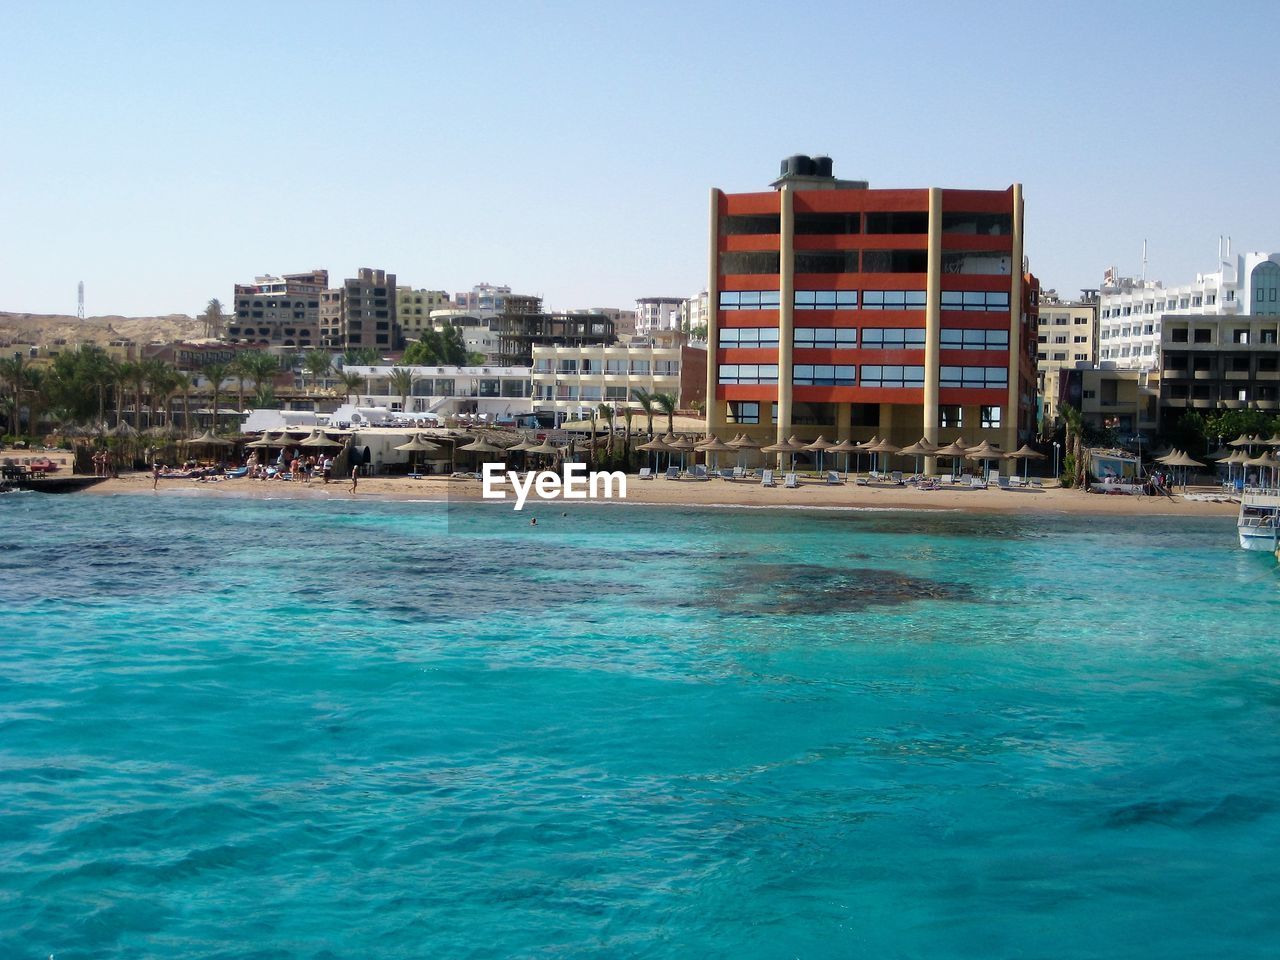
x=979 y=224
x=588 y=393
x=749 y=300
x=881 y=376
x=748 y=263
x=975 y=300
x=1240 y=336
x=900 y=222
x=892 y=299
x=1061 y=339
x=754 y=225
x=979 y=378
x=823 y=375
x=1204 y=336
x=1195 y=301
x=567 y=366
x=1056 y=356
x=640 y=367
x=1183 y=303
x=744 y=411
x=951 y=416
x=975 y=263
x=1211 y=299
x=615 y=368
x=892 y=338
x=731 y=373
x=1080 y=321
x=895 y=261
x=826 y=299
x=827 y=223
x=666 y=368
x=826 y=261
x=750 y=337
x=615 y=393
x=825 y=337
x=990 y=418
x=980 y=339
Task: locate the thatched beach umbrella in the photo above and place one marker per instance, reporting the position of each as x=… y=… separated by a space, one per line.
x=717 y=446
x=983 y=453
x=778 y=448
x=654 y=446
x=682 y=444
x=846 y=447
x=921 y=448
x=478 y=446
x=207 y=439
x=820 y=447
x=417 y=444
x=885 y=447
x=1025 y=453
x=955 y=451
x=1244 y=440
x=319 y=439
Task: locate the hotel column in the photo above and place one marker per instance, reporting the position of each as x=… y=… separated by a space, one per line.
x=932 y=324
x=786 y=307
x=1015 y=327
x=715 y=409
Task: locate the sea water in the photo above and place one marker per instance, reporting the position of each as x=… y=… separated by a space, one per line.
x=234 y=728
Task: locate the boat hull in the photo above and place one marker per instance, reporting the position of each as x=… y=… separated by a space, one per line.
x=47 y=484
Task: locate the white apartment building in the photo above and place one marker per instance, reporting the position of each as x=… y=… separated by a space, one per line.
x=1067 y=337
x=657 y=314
x=498 y=394
x=1131 y=313
x=572 y=381
x=695 y=313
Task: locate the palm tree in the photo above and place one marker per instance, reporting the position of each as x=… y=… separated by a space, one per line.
x=1074 y=445
x=317 y=363
x=182 y=384
x=159 y=378
x=401 y=383
x=12 y=377
x=645 y=399
x=666 y=402
x=241 y=367
x=216 y=372
x=262 y=367
x=349 y=383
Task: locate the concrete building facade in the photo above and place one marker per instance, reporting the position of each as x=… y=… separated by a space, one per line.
x=360 y=313
x=570 y=381
x=849 y=312
x=657 y=314
x=279 y=311
x=414 y=309
x=1066 y=338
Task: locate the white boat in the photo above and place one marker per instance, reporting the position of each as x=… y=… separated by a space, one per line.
x=1258 y=524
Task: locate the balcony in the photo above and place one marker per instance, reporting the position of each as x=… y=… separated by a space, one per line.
x=1202 y=404
x=1236 y=375
x=1205 y=375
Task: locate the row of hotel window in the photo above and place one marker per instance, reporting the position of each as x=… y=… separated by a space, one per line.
x=617 y=368
x=1181 y=303
x=870 y=375
x=893 y=222
x=950 y=417
x=980 y=263
x=571 y=392
x=873 y=338
x=971 y=300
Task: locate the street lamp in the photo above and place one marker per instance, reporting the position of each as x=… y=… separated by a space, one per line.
x=1056 y=446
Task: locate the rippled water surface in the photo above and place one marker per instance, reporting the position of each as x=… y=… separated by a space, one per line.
x=336 y=729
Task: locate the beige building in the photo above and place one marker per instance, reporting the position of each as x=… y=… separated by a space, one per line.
x=1067 y=338
x=572 y=381
x=413 y=309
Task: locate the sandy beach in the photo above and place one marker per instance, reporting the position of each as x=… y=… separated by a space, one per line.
x=710 y=493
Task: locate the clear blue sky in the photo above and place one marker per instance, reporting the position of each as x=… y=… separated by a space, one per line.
x=163 y=151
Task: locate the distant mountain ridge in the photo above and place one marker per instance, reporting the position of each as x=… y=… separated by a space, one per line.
x=46 y=328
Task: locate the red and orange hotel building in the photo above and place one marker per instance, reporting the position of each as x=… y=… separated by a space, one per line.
x=851 y=312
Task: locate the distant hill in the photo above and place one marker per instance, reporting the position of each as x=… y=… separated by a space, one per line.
x=45 y=328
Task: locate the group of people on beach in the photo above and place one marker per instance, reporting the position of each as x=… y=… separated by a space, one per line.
x=104 y=464
x=292 y=467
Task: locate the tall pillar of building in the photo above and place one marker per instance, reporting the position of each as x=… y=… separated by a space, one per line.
x=715 y=408
x=1015 y=327
x=786 y=307
x=933 y=324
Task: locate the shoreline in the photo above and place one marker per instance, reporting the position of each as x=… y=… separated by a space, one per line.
x=694 y=493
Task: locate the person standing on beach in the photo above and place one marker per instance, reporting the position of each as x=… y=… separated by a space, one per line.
x=355 y=474
x=155 y=475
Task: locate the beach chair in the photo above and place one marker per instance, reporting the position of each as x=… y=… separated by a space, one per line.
x=790 y=480
x=977 y=483
x=726 y=473
x=1003 y=482
x=698 y=472
x=766 y=478
x=833 y=478
x=861 y=481
x=673 y=473
x=1015 y=481
x=739 y=473
x=896 y=477
x=645 y=474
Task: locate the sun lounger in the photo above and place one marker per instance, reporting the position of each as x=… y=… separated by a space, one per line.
x=1002 y=482
x=790 y=480
x=1016 y=481
x=766 y=478
x=645 y=474
x=739 y=473
x=977 y=483
x=861 y=481
x=698 y=472
x=673 y=473
x=896 y=477
x=726 y=474
x=833 y=478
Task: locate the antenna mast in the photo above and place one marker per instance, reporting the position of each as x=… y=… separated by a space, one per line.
x=80 y=301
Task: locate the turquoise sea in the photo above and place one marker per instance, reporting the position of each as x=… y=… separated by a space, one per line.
x=243 y=729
